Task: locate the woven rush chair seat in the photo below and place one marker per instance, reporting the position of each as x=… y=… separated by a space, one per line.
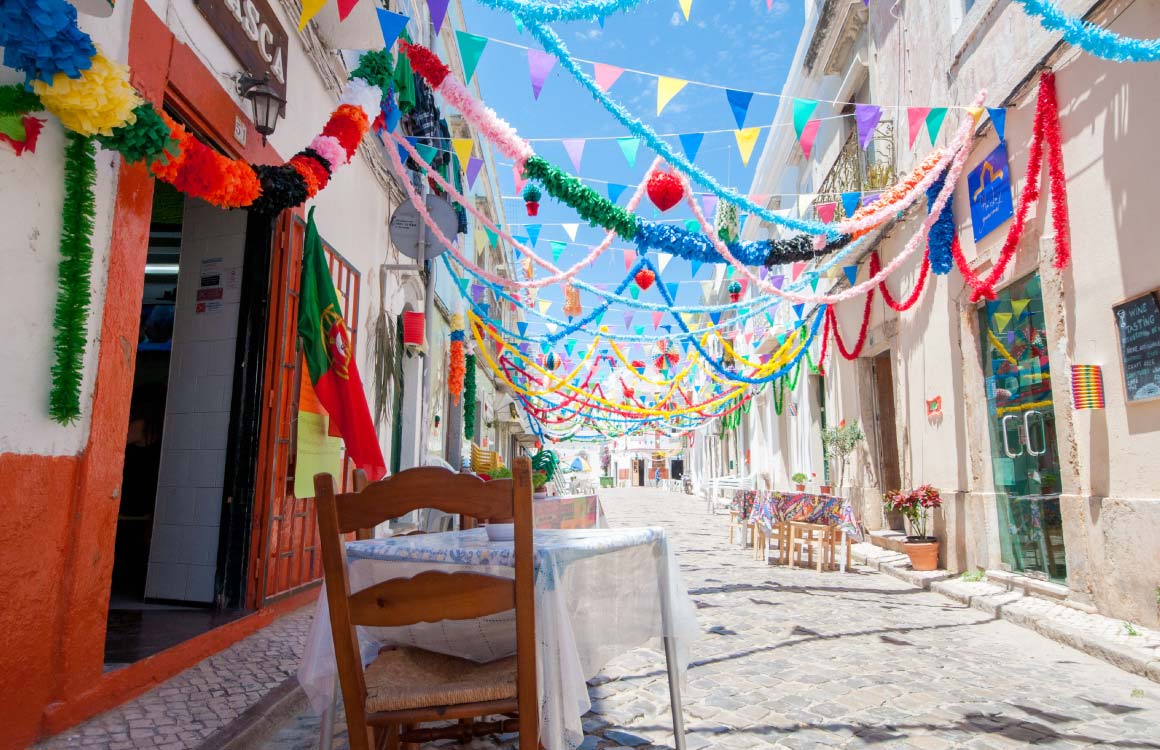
x=405 y=678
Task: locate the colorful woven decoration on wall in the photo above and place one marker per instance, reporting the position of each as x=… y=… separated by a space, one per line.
x=1087 y=387
x=469 y=397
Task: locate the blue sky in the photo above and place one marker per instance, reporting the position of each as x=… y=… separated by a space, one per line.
x=738 y=44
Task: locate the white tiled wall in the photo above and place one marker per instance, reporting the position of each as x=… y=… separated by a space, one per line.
x=183 y=554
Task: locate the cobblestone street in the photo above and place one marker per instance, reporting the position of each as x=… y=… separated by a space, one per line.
x=794 y=658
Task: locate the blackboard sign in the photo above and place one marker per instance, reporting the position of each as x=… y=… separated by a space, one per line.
x=1138 y=323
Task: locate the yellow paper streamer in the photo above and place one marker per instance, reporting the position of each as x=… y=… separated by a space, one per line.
x=93 y=104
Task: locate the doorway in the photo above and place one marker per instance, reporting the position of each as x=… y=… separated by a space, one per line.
x=1021 y=418
x=170 y=529
x=881 y=368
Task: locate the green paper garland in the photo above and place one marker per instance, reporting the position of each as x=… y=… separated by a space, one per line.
x=147 y=139
x=589 y=204
x=375 y=68
x=70 y=321
x=469 y=397
x=16 y=100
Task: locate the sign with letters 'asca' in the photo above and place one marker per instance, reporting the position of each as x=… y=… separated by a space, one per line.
x=253 y=33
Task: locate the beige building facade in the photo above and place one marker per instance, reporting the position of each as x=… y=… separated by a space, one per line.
x=975 y=397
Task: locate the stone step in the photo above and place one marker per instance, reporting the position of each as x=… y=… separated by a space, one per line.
x=895 y=541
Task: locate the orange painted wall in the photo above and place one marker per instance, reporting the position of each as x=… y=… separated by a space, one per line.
x=56 y=542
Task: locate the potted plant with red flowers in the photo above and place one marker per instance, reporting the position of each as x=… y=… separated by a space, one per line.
x=916 y=506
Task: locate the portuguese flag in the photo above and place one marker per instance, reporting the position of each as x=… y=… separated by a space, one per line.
x=326 y=346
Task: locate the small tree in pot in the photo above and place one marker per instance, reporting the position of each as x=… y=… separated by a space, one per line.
x=840 y=442
x=915 y=506
x=799 y=481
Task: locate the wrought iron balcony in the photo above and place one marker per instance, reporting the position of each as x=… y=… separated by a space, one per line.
x=858 y=170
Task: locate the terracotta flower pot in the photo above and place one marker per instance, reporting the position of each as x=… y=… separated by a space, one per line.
x=827 y=489
x=800 y=487
x=923 y=552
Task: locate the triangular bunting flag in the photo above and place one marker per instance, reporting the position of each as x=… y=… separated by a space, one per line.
x=629 y=259
x=634 y=291
x=519 y=178
x=627 y=320
x=522 y=326
x=606 y=75
x=310 y=9
x=533 y=231
x=826 y=211
x=691 y=143
x=427 y=153
x=934 y=122
x=615 y=191
x=851 y=274
x=867 y=117
x=657 y=317
x=667 y=88
x=715 y=317
x=739 y=103
x=850 y=203
x=999 y=120
x=803 y=110
x=708 y=206
x=545 y=305
x=672 y=288
x=976 y=114
x=916 y=116
x=438 y=10
x=1019 y=305
x=629 y=146
x=470 y=50
x=1002 y=320
x=570 y=230
x=462 y=148
x=492 y=237
x=640 y=330
x=391 y=24
x=558 y=247
x=663 y=261
x=812 y=278
x=798 y=309
x=796 y=270
x=808 y=135
x=686 y=6
x=473 y=166
x=696 y=266
x=539 y=66
x=570 y=346
x=746 y=140
x=776 y=282
x=575 y=149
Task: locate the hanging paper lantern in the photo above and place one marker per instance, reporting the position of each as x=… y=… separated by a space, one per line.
x=551 y=362
x=414 y=331
x=645 y=278
x=726 y=222
x=532 y=197
x=572 y=306
x=638 y=366
x=665 y=190
x=734 y=291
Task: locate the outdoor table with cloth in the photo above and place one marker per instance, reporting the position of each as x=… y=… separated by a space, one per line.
x=771 y=512
x=599 y=593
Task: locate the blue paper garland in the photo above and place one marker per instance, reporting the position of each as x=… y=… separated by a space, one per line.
x=1090 y=38
x=942 y=233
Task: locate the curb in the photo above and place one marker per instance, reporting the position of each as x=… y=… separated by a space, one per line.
x=1048 y=618
x=260 y=721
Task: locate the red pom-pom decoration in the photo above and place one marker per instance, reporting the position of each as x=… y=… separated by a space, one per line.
x=645 y=278
x=347 y=124
x=665 y=190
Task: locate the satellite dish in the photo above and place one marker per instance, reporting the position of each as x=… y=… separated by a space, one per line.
x=405 y=226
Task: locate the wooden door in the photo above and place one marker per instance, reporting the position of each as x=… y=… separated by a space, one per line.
x=286 y=527
x=884 y=417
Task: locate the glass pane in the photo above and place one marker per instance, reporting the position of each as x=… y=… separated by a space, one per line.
x=1021 y=414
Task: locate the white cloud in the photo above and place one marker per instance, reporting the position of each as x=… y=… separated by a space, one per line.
x=676 y=19
x=590 y=34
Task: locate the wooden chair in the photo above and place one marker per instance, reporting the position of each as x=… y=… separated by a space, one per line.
x=403 y=688
x=803 y=537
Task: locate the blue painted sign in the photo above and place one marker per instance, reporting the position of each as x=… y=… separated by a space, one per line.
x=989 y=191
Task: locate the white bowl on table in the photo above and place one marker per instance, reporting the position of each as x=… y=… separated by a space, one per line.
x=501 y=532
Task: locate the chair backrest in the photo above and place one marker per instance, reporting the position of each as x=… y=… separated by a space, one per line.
x=430 y=596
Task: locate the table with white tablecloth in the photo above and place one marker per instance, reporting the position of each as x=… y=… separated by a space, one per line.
x=599 y=593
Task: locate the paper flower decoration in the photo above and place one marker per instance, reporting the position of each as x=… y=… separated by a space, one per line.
x=726 y=222
x=41 y=38
x=645 y=278
x=532 y=197
x=734 y=291
x=665 y=190
x=94 y=103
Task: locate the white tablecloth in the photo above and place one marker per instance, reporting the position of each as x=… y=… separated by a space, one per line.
x=599 y=593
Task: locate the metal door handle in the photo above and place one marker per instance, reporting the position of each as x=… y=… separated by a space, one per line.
x=1042 y=431
x=1006 y=436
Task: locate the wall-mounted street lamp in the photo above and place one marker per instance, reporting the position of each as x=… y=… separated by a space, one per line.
x=265 y=101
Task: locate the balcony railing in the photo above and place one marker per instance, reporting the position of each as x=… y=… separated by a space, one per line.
x=858 y=170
